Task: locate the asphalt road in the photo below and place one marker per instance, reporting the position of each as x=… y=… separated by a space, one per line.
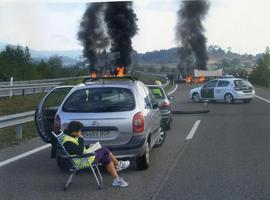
x=227 y=158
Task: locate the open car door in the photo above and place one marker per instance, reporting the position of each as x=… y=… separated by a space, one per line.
x=47 y=108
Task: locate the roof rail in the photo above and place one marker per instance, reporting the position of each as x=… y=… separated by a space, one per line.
x=90 y=79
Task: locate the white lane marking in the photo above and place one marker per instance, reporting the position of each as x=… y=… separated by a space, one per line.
x=266 y=100
x=176 y=86
x=28 y=153
x=193 y=130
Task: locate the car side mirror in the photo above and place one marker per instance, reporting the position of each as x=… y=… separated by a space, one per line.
x=155 y=106
x=171 y=98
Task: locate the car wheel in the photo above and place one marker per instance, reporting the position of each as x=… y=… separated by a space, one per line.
x=196 y=97
x=247 y=100
x=168 y=126
x=228 y=98
x=144 y=160
x=162 y=137
x=63 y=163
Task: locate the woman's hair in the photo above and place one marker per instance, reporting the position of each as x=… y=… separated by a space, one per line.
x=74 y=126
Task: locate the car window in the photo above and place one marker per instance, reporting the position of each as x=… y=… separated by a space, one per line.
x=157 y=92
x=151 y=96
x=56 y=97
x=100 y=100
x=223 y=83
x=210 y=84
x=146 y=99
x=242 y=84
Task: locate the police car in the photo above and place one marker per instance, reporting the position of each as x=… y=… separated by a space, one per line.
x=224 y=89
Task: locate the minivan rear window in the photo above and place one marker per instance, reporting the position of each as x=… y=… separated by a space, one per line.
x=99 y=100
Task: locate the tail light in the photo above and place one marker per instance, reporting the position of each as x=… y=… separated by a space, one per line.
x=138 y=123
x=57 y=123
x=165 y=106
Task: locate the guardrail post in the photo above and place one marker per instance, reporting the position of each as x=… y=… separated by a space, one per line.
x=34 y=90
x=19 y=131
x=23 y=92
x=11 y=89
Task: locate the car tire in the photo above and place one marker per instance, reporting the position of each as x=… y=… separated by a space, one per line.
x=143 y=161
x=168 y=126
x=247 y=100
x=228 y=98
x=196 y=97
x=63 y=163
x=162 y=137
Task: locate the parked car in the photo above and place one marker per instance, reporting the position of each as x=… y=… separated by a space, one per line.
x=163 y=100
x=121 y=113
x=225 y=89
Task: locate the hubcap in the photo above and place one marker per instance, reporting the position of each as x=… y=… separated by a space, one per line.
x=228 y=98
x=161 y=135
x=196 y=97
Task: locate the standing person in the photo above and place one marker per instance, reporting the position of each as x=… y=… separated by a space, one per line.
x=74 y=144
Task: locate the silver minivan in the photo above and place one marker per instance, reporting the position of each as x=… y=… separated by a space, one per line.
x=121 y=113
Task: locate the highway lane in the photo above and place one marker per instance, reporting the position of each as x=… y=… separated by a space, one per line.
x=227 y=158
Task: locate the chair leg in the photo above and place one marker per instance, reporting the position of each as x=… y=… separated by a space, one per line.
x=101 y=179
x=70 y=179
x=95 y=175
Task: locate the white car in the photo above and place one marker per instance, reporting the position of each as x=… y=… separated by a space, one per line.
x=225 y=89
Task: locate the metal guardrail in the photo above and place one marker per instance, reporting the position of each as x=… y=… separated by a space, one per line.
x=8 y=90
x=17 y=120
x=23 y=89
x=27 y=82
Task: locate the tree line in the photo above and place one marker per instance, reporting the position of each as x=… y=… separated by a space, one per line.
x=261 y=74
x=16 y=62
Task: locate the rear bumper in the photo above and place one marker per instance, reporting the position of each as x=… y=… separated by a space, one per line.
x=136 y=147
x=242 y=95
x=166 y=116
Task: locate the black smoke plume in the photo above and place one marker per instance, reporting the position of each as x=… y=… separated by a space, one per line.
x=190 y=34
x=121 y=24
x=92 y=33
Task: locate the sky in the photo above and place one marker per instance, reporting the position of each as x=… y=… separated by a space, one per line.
x=242 y=25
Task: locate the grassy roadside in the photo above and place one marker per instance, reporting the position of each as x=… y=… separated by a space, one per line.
x=18 y=104
x=8 y=135
x=262 y=87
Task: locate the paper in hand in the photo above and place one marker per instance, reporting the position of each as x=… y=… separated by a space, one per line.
x=93 y=148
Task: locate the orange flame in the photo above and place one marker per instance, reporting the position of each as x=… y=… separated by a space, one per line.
x=120 y=71
x=189 y=79
x=94 y=74
x=201 y=79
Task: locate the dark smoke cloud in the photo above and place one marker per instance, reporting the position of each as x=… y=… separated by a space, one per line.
x=92 y=34
x=121 y=27
x=190 y=33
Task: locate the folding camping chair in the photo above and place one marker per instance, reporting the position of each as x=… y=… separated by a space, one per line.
x=74 y=168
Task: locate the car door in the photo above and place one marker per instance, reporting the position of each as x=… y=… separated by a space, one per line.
x=45 y=113
x=220 y=89
x=156 y=116
x=207 y=91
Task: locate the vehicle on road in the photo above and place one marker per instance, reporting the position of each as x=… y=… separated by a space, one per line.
x=224 y=89
x=163 y=100
x=121 y=113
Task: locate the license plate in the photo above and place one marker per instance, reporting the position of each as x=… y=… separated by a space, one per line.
x=98 y=133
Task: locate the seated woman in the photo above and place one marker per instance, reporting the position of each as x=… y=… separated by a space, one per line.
x=74 y=144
